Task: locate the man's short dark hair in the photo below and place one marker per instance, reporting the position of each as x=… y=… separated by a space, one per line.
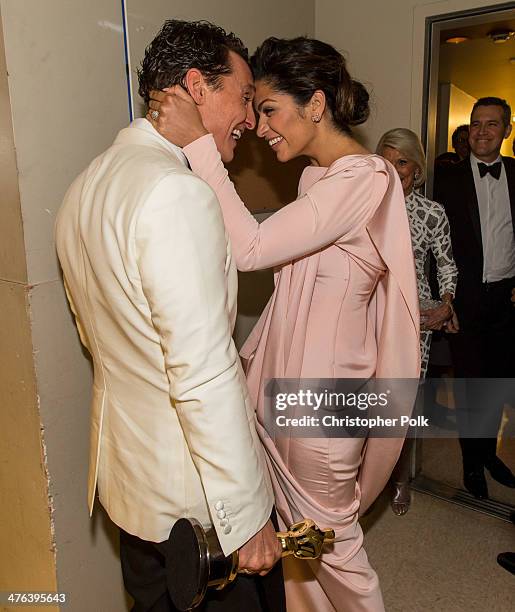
x=493 y=101
x=455 y=134
x=182 y=45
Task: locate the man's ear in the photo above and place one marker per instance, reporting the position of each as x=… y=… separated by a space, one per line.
x=507 y=131
x=196 y=85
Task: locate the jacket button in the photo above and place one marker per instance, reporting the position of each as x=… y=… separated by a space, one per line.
x=221 y=514
x=219 y=505
x=227 y=529
x=224 y=522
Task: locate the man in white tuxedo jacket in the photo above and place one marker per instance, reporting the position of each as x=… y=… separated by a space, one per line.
x=149 y=276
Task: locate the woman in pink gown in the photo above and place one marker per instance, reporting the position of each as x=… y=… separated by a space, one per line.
x=345 y=302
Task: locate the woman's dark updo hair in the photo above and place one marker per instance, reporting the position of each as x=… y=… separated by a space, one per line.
x=302 y=65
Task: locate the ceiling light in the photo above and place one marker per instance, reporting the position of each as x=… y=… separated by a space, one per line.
x=500 y=36
x=456 y=40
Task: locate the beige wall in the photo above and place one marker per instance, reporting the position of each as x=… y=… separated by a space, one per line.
x=384 y=43
x=67 y=98
x=13 y=266
x=26 y=541
x=25 y=517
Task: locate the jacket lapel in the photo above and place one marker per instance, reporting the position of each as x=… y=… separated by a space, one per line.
x=471 y=201
x=510 y=175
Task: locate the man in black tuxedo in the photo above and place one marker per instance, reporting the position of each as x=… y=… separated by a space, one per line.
x=479 y=197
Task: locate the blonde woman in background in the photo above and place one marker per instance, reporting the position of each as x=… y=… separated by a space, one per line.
x=430 y=231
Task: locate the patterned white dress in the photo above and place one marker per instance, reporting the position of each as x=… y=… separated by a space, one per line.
x=430 y=232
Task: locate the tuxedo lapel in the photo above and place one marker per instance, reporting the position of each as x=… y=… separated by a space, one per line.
x=509 y=167
x=471 y=201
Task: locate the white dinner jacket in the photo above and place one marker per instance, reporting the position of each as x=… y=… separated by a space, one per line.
x=150 y=279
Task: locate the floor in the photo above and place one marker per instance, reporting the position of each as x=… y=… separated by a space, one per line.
x=441 y=457
x=440 y=557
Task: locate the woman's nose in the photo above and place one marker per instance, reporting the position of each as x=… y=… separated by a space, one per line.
x=262 y=127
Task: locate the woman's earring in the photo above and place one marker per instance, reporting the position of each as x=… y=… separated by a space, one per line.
x=316 y=118
x=417 y=176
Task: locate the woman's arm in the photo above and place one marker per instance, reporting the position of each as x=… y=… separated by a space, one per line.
x=331 y=209
x=447 y=272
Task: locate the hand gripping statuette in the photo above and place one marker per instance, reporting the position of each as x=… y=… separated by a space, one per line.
x=195 y=561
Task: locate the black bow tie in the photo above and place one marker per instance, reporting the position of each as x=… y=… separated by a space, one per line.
x=494 y=170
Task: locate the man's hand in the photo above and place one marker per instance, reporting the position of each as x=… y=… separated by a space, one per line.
x=179 y=120
x=261 y=552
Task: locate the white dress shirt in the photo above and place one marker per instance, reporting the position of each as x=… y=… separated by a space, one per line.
x=493 y=200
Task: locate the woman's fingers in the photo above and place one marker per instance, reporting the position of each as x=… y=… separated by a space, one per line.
x=434 y=318
x=175 y=115
x=453 y=326
x=180 y=92
x=155 y=94
x=177 y=90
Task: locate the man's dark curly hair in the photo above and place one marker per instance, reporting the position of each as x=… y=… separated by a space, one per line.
x=182 y=45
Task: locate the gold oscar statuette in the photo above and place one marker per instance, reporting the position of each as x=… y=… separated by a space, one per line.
x=195 y=561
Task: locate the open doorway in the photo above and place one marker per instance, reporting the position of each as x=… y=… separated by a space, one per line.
x=469 y=55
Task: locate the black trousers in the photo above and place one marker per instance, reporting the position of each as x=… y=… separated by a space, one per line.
x=144 y=577
x=485 y=349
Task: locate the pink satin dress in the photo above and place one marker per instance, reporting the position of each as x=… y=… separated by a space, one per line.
x=345 y=304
